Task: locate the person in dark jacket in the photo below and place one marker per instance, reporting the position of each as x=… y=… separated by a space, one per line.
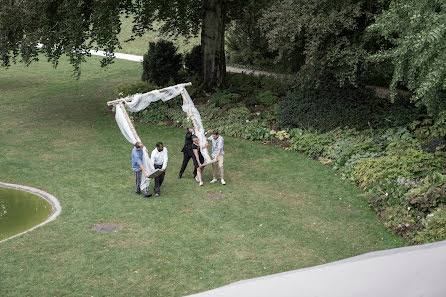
x=187 y=152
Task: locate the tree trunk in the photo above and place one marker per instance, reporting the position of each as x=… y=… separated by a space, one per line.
x=213 y=42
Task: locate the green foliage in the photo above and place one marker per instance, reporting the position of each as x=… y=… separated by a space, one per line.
x=224 y=98
x=328 y=106
x=310 y=143
x=409 y=163
x=435 y=228
x=319 y=37
x=400 y=220
x=161 y=63
x=430 y=194
x=267 y=98
x=249 y=85
x=416 y=30
x=245 y=42
x=257 y=133
x=193 y=61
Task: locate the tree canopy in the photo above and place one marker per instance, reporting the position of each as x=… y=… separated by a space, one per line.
x=73 y=27
x=416 y=30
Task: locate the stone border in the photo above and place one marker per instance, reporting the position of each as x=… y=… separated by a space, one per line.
x=55 y=205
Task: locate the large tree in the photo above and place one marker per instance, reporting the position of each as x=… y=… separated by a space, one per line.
x=416 y=30
x=73 y=27
x=323 y=37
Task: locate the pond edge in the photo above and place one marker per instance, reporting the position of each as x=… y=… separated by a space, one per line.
x=55 y=205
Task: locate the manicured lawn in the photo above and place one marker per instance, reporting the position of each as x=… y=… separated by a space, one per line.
x=280 y=211
x=140 y=45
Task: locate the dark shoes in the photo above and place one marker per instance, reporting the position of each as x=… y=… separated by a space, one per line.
x=138 y=193
x=148 y=195
x=179 y=176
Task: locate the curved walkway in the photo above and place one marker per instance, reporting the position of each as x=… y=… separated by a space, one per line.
x=55 y=205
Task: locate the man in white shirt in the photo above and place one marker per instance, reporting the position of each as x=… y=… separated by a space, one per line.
x=159 y=160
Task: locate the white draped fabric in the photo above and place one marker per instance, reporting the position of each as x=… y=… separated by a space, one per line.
x=141 y=101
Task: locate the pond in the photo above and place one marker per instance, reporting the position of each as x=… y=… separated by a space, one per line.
x=20 y=211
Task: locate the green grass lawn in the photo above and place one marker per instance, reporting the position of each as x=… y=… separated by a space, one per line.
x=280 y=211
x=140 y=45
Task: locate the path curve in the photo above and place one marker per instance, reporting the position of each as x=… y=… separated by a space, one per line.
x=55 y=205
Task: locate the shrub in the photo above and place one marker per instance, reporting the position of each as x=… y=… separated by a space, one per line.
x=327 y=107
x=310 y=143
x=193 y=61
x=267 y=98
x=435 y=228
x=161 y=63
x=429 y=195
x=156 y=112
x=401 y=220
x=409 y=164
x=224 y=98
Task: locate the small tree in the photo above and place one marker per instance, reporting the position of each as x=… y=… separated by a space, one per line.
x=161 y=63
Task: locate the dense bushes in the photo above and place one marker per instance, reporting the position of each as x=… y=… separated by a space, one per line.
x=327 y=106
x=161 y=63
x=193 y=61
x=405 y=184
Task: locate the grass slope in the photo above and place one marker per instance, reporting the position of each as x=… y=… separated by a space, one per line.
x=281 y=210
x=140 y=45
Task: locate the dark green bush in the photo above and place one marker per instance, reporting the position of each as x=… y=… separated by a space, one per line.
x=329 y=106
x=193 y=61
x=267 y=98
x=435 y=228
x=224 y=98
x=161 y=63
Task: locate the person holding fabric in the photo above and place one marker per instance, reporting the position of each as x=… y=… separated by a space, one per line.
x=159 y=160
x=217 y=155
x=187 y=152
x=138 y=168
x=198 y=159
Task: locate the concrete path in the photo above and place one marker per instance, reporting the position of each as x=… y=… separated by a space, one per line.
x=407 y=272
x=136 y=58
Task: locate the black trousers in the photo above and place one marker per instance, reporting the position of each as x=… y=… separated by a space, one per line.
x=187 y=155
x=159 y=179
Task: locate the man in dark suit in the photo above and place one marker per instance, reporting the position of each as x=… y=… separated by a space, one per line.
x=187 y=152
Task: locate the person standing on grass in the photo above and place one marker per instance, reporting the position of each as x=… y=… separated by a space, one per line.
x=187 y=152
x=198 y=159
x=159 y=160
x=138 y=169
x=217 y=155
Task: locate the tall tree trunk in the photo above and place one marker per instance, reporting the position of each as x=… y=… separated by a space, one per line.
x=213 y=42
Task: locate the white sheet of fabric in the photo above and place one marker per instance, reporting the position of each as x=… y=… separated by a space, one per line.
x=127 y=132
x=142 y=101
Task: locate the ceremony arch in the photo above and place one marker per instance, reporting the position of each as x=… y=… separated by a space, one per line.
x=139 y=102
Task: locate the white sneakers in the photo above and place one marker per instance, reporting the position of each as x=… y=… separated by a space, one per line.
x=222 y=181
x=201 y=183
x=196 y=178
